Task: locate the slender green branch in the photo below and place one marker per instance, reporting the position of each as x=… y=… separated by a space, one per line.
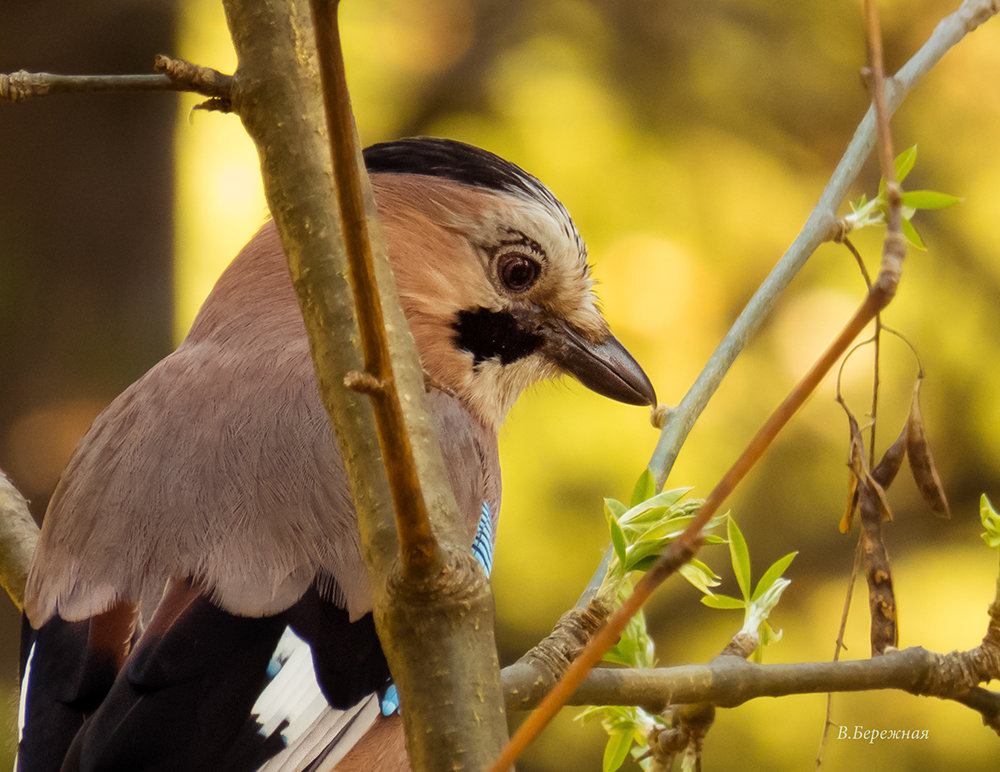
x=820 y=226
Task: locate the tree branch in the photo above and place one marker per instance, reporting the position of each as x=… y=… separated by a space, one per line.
x=176 y=75
x=821 y=225
x=729 y=680
x=436 y=623
x=417 y=546
x=18 y=536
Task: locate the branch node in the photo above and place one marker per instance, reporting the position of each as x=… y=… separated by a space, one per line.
x=552 y=655
x=840 y=229
x=202 y=80
x=22 y=85
x=659 y=414
x=364 y=382
x=865 y=74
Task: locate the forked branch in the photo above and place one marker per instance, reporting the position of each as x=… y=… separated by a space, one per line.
x=820 y=226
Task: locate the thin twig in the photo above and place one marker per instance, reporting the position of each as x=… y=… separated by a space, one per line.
x=687 y=543
x=839 y=646
x=883 y=290
x=820 y=226
x=173 y=75
x=416 y=541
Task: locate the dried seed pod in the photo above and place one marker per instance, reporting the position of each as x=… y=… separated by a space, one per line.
x=922 y=462
x=856 y=471
x=885 y=472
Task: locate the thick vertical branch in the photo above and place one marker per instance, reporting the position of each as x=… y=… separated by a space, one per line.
x=435 y=619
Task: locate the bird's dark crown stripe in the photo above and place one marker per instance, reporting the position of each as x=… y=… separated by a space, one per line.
x=493 y=335
x=456 y=161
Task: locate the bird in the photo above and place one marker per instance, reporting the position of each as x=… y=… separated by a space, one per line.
x=197 y=599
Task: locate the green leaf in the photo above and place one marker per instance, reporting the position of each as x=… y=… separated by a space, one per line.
x=740 y=556
x=723 y=602
x=771 y=635
x=614 y=508
x=645 y=488
x=928 y=199
x=662 y=499
x=758 y=610
x=990 y=519
x=643 y=564
x=775 y=570
x=904 y=163
x=617 y=538
x=912 y=236
x=640 y=553
x=616 y=750
x=642 y=516
x=699 y=575
x=624 y=652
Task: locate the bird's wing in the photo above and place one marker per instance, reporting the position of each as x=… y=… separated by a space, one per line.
x=208 y=690
x=219 y=463
x=216 y=475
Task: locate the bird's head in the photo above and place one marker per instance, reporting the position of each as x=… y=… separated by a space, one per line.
x=493 y=277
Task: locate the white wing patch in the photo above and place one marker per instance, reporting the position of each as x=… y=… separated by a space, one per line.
x=22 y=701
x=293 y=704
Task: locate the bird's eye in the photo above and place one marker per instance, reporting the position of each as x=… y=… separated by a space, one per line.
x=517 y=272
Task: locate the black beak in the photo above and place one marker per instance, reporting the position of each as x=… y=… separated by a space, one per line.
x=605 y=367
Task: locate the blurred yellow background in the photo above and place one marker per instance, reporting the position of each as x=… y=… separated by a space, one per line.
x=690 y=141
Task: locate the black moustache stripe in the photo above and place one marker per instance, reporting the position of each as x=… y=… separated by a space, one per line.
x=493 y=335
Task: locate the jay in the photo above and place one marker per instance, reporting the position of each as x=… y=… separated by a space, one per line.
x=198 y=600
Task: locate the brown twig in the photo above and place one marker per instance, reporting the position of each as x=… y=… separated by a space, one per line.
x=173 y=75
x=879 y=296
x=416 y=541
x=839 y=646
x=687 y=543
